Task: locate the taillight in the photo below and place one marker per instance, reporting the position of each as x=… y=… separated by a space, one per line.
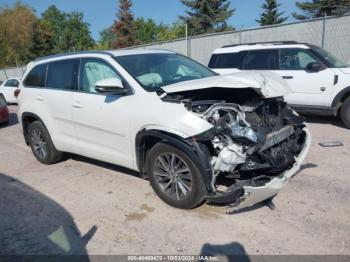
x=17 y=92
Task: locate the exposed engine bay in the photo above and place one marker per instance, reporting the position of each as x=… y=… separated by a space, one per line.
x=254 y=139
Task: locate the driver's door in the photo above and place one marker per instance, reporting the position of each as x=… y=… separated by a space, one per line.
x=101 y=120
x=308 y=88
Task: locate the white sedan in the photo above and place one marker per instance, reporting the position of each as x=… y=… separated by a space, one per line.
x=8 y=89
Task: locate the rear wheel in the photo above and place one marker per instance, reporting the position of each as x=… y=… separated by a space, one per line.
x=41 y=144
x=345 y=113
x=174 y=177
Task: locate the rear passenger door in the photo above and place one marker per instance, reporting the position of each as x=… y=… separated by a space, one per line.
x=55 y=102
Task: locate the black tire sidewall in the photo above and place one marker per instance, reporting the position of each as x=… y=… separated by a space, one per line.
x=52 y=154
x=345 y=113
x=196 y=195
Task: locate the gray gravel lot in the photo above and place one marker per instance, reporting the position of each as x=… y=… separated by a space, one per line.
x=81 y=206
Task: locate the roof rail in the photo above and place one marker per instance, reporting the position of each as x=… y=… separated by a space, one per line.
x=270 y=42
x=72 y=53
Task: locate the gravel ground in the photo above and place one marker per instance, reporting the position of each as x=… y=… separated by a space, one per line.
x=81 y=206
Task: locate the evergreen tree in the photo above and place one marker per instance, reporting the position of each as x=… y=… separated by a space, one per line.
x=206 y=16
x=124 y=27
x=320 y=8
x=271 y=16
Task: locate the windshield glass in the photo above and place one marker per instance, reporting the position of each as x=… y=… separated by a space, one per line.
x=331 y=59
x=154 y=71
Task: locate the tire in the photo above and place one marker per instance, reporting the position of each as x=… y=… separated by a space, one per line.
x=41 y=144
x=180 y=188
x=345 y=113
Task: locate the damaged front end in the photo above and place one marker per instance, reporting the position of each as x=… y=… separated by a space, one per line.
x=255 y=146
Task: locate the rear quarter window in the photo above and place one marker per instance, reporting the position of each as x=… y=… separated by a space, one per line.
x=36 y=77
x=228 y=60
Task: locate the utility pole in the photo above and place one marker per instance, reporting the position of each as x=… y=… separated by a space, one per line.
x=187 y=44
x=324 y=29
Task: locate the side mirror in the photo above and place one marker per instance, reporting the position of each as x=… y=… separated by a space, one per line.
x=314 y=67
x=111 y=86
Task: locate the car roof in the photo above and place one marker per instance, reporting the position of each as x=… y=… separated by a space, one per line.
x=260 y=46
x=113 y=53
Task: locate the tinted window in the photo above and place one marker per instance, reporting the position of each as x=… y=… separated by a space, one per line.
x=295 y=59
x=229 y=60
x=261 y=60
x=63 y=75
x=12 y=83
x=36 y=77
x=92 y=71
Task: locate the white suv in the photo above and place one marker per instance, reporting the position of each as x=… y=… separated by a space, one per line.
x=195 y=135
x=320 y=83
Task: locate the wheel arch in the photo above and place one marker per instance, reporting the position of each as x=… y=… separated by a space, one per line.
x=340 y=98
x=26 y=119
x=146 y=139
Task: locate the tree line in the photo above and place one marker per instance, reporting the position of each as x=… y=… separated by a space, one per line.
x=25 y=36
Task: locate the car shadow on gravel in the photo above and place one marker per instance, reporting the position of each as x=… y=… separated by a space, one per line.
x=32 y=224
x=105 y=165
x=332 y=120
x=233 y=251
x=12 y=121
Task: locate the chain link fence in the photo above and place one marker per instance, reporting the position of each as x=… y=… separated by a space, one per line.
x=332 y=33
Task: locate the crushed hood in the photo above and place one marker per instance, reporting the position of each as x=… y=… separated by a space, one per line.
x=268 y=84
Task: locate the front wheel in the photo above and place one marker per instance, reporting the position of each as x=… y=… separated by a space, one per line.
x=42 y=145
x=174 y=177
x=345 y=113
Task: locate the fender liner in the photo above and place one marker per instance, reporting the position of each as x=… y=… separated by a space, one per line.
x=189 y=146
x=27 y=114
x=339 y=97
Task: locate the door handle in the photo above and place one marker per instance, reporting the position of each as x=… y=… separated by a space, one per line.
x=323 y=89
x=287 y=77
x=77 y=105
x=40 y=98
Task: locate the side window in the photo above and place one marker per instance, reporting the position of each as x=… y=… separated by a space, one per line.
x=295 y=59
x=63 y=75
x=92 y=71
x=36 y=77
x=227 y=61
x=261 y=60
x=9 y=83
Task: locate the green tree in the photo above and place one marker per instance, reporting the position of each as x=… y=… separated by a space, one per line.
x=320 y=8
x=146 y=30
x=206 y=16
x=16 y=31
x=76 y=35
x=42 y=40
x=174 y=31
x=55 y=20
x=69 y=30
x=107 y=37
x=270 y=15
x=124 y=27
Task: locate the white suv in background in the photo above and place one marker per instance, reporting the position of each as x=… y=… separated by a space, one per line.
x=320 y=82
x=195 y=135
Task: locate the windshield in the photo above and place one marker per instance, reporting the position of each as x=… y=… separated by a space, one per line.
x=154 y=71
x=331 y=59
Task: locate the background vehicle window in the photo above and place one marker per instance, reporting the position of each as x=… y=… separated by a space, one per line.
x=295 y=59
x=12 y=83
x=92 y=71
x=260 y=60
x=36 y=77
x=229 y=60
x=63 y=75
